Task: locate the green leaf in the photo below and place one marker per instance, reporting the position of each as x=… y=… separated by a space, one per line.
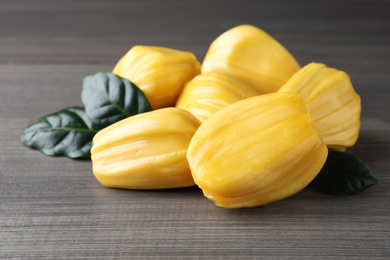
x=68 y=132
x=343 y=174
x=108 y=98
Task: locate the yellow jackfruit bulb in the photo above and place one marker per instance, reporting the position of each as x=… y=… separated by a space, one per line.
x=256 y=151
x=159 y=72
x=207 y=93
x=332 y=102
x=145 y=151
x=252 y=56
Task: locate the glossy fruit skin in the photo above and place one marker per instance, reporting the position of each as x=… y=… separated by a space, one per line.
x=159 y=72
x=252 y=56
x=207 y=93
x=145 y=151
x=332 y=102
x=256 y=151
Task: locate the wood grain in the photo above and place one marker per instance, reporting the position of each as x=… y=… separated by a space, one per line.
x=53 y=208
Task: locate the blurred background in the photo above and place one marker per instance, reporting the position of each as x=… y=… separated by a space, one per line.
x=100 y=31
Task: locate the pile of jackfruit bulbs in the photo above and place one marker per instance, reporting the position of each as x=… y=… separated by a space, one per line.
x=248 y=125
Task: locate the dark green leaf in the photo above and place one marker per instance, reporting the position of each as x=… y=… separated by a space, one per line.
x=343 y=174
x=108 y=98
x=68 y=132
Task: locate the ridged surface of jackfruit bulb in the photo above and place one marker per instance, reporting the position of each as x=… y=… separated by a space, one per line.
x=332 y=102
x=207 y=93
x=159 y=72
x=252 y=56
x=256 y=151
x=145 y=151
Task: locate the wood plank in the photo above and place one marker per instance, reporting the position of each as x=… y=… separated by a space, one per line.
x=54 y=208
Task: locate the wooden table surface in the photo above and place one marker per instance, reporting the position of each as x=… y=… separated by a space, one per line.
x=54 y=208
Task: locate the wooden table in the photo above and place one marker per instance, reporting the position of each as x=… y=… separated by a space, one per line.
x=54 y=208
